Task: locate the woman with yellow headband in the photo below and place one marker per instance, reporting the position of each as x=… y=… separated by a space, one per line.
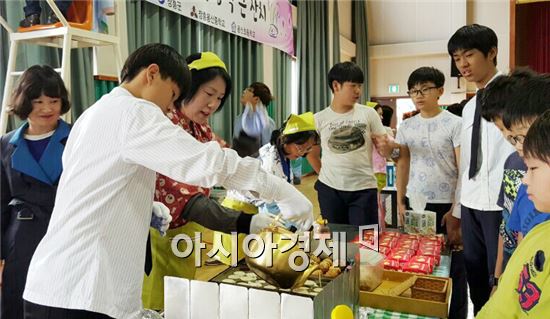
x=189 y=205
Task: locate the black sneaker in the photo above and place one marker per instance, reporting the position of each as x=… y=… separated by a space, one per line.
x=52 y=18
x=30 y=20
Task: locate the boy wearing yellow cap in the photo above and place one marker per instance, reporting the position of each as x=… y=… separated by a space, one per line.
x=347 y=188
x=295 y=139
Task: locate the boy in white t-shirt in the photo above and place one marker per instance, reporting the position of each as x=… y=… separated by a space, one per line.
x=347 y=187
x=429 y=153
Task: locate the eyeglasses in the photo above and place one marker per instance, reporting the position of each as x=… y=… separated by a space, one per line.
x=421 y=92
x=516 y=139
x=302 y=149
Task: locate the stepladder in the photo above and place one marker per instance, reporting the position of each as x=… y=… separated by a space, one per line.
x=69 y=33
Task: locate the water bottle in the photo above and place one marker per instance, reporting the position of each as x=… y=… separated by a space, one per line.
x=390 y=174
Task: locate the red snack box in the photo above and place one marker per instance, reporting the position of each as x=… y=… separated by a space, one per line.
x=399 y=257
x=389 y=242
x=409 y=244
x=418 y=268
x=436 y=257
x=384 y=250
x=404 y=251
x=390 y=234
x=391 y=264
x=428 y=260
x=424 y=250
x=409 y=236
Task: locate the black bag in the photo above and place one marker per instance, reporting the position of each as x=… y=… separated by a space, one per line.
x=246 y=145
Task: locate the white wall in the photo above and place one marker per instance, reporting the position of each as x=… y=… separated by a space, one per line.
x=407 y=34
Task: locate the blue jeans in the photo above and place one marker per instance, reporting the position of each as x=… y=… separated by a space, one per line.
x=33 y=6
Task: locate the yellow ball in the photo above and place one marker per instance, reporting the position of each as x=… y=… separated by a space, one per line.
x=341 y=312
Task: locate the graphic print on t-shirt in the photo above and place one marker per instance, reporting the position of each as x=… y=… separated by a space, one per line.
x=347 y=138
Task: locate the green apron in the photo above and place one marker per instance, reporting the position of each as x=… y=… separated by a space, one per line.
x=165 y=263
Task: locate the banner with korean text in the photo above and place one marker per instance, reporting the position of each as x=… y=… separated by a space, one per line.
x=264 y=21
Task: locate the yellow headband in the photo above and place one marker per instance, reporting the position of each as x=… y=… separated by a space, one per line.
x=207 y=60
x=371 y=104
x=299 y=123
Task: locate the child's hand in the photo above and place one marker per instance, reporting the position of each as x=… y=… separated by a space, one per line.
x=382 y=144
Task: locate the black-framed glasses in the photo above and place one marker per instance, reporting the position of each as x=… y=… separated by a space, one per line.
x=516 y=139
x=421 y=92
x=303 y=149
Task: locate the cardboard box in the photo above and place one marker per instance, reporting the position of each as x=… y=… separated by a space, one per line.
x=375 y=299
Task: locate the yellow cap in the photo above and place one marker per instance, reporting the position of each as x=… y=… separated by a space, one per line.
x=341 y=312
x=372 y=104
x=207 y=60
x=299 y=123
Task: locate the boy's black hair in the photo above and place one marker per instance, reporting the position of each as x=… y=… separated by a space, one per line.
x=473 y=36
x=35 y=81
x=530 y=99
x=537 y=141
x=171 y=65
x=387 y=113
x=199 y=77
x=262 y=91
x=426 y=74
x=457 y=108
x=345 y=72
x=497 y=94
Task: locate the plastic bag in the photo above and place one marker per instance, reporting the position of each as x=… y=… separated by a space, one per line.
x=371 y=269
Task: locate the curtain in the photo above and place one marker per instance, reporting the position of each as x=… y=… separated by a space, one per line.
x=313 y=56
x=82 y=90
x=282 y=73
x=533 y=36
x=335 y=35
x=361 y=42
x=149 y=23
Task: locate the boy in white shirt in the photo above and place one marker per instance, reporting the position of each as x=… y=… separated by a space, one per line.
x=482 y=155
x=90 y=262
x=347 y=188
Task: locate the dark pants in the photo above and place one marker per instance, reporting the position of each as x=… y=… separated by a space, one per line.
x=33 y=6
x=344 y=207
x=459 y=299
x=480 y=237
x=34 y=311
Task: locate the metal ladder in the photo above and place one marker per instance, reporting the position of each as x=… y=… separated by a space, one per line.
x=66 y=37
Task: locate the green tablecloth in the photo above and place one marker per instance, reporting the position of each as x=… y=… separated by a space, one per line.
x=443 y=270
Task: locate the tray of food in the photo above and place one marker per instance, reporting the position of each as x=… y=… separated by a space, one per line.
x=243 y=276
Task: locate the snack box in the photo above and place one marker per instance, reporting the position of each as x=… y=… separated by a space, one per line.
x=378 y=299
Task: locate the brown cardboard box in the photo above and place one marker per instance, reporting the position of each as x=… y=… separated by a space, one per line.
x=376 y=299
